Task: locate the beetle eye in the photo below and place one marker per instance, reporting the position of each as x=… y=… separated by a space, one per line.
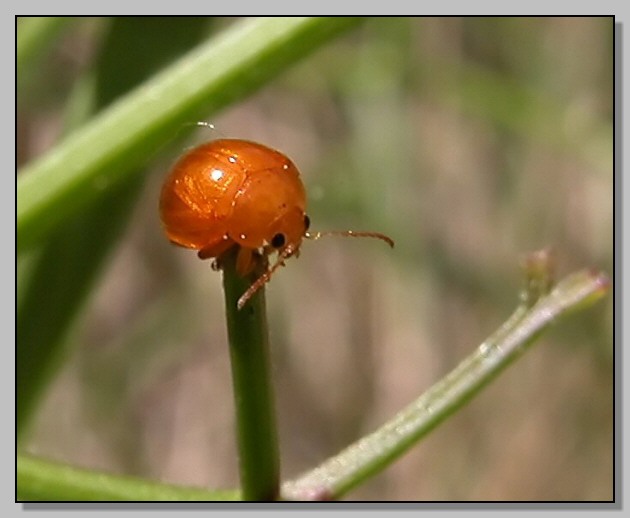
x=277 y=241
x=307 y=222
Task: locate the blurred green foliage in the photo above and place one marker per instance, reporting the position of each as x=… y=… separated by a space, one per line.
x=469 y=140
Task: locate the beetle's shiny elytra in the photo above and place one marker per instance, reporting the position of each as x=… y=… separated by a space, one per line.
x=236 y=193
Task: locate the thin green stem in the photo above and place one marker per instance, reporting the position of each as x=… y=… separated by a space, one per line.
x=374 y=452
x=259 y=458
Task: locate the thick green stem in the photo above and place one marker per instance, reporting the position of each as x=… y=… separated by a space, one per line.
x=257 y=437
x=132 y=130
x=41 y=480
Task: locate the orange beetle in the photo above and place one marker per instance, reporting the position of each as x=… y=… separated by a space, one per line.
x=236 y=193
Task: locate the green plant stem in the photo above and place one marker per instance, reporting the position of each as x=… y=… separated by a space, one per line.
x=44 y=480
x=259 y=458
x=371 y=454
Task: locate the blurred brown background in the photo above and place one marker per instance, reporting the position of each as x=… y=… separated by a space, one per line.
x=470 y=141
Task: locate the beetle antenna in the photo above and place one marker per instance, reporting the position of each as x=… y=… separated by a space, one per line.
x=265 y=277
x=350 y=233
